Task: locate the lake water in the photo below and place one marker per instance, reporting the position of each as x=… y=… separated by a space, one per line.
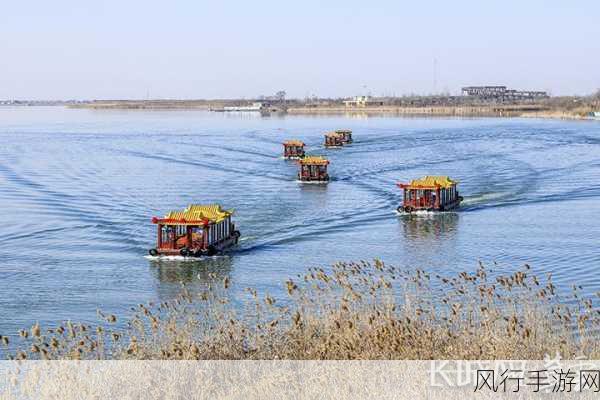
x=78 y=189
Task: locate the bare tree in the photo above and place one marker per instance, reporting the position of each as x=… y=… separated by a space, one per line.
x=280 y=96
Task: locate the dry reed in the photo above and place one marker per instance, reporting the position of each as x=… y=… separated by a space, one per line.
x=358 y=310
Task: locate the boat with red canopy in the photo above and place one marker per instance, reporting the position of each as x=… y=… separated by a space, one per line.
x=293 y=149
x=346 y=135
x=333 y=139
x=198 y=230
x=313 y=169
x=430 y=193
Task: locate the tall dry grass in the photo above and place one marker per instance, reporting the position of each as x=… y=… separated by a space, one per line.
x=355 y=310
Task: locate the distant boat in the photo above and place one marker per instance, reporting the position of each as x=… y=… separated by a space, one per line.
x=594 y=115
x=293 y=149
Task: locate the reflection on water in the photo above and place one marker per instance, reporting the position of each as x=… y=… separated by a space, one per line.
x=430 y=240
x=81 y=187
x=356 y=115
x=313 y=187
x=195 y=275
x=437 y=226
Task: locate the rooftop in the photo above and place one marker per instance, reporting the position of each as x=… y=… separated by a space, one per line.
x=198 y=213
x=431 y=181
x=293 y=142
x=314 y=160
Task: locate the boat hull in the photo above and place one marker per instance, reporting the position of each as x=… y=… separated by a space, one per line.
x=214 y=249
x=324 y=179
x=446 y=207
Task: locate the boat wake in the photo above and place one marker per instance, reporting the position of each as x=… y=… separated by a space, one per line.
x=312 y=182
x=424 y=213
x=183 y=259
x=485 y=198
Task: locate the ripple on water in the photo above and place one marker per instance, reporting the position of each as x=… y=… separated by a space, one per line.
x=78 y=199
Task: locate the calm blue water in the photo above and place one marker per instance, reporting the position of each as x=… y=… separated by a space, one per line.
x=78 y=189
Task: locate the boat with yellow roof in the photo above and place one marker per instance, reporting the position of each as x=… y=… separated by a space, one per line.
x=313 y=169
x=293 y=149
x=198 y=230
x=334 y=140
x=430 y=193
x=346 y=135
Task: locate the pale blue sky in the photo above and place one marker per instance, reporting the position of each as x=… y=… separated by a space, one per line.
x=223 y=49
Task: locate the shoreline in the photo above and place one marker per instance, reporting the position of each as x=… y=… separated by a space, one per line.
x=494 y=111
x=457 y=111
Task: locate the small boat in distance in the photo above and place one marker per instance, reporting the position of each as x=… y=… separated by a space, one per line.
x=313 y=169
x=430 y=193
x=346 y=135
x=293 y=149
x=333 y=139
x=199 y=230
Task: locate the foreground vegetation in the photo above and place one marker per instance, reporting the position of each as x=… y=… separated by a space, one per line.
x=351 y=311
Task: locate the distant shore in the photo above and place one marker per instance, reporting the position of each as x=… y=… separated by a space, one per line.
x=442 y=111
x=146 y=105
x=495 y=110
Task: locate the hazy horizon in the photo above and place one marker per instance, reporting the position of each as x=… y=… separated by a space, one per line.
x=204 y=50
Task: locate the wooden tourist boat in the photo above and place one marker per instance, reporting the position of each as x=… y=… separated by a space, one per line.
x=313 y=169
x=333 y=139
x=199 y=230
x=293 y=149
x=430 y=193
x=346 y=135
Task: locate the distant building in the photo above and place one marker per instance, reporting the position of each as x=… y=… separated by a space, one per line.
x=502 y=93
x=363 y=101
x=483 y=91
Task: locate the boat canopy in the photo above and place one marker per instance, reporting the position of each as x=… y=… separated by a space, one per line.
x=314 y=160
x=430 y=182
x=343 y=131
x=293 y=143
x=195 y=214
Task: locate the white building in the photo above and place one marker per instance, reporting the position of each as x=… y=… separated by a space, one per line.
x=363 y=101
x=256 y=106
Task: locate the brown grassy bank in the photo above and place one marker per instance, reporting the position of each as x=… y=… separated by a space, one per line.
x=451 y=111
x=542 y=110
x=557 y=114
x=352 y=311
x=145 y=105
